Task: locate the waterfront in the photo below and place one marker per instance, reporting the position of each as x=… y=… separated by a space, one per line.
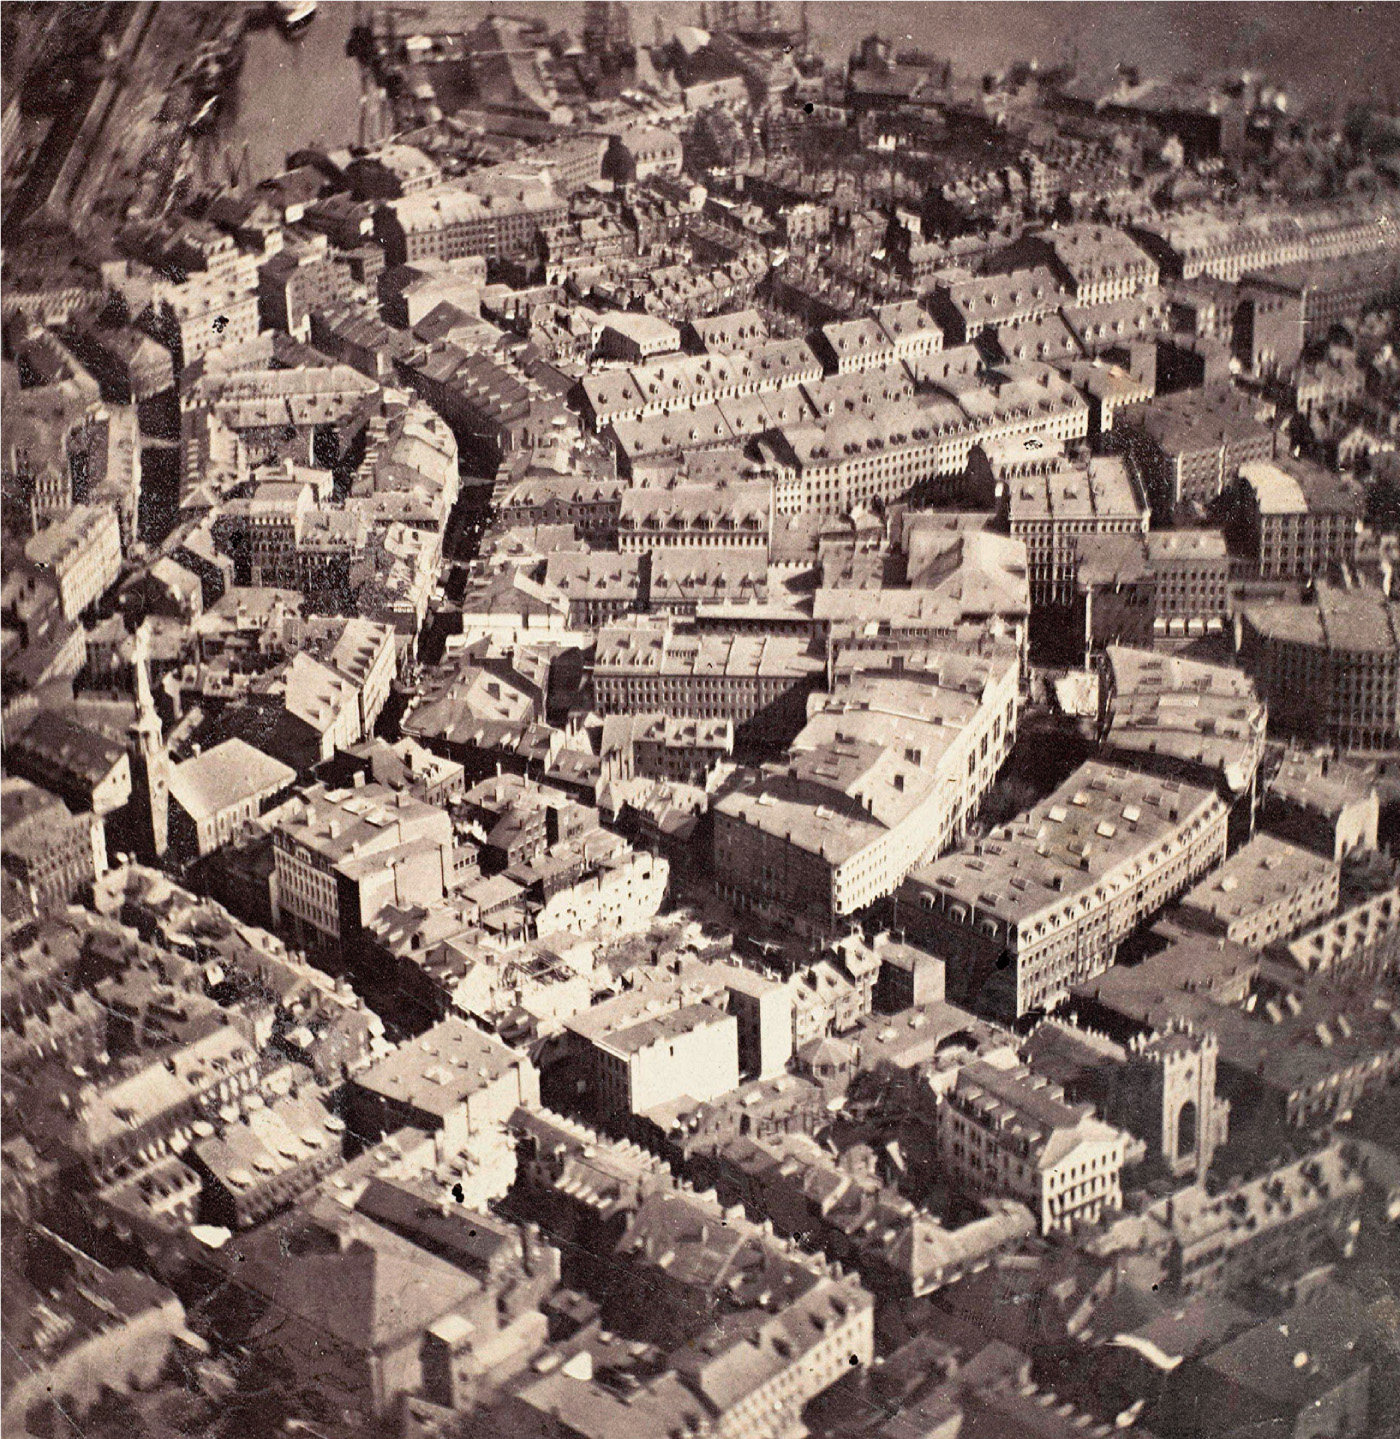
x=1319 y=52
x=294 y=93
x=305 y=91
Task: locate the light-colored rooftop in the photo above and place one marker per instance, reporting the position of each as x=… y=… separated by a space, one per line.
x=1103 y=819
x=442 y=1068
x=229 y=774
x=1265 y=872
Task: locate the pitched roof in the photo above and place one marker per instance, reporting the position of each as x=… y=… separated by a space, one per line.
x=348 y=1277
x=225 y=776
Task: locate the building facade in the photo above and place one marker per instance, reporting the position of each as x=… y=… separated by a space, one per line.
x=1329 y=670
x=83 y=553
x=1055 y=892
x=1009 y=1134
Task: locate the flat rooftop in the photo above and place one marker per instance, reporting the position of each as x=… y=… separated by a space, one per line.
x=1101 y=818
x=440 y=1069
x=658 y=1028
x=1263 y=873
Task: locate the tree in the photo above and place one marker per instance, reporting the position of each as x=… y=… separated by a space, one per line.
x=1383 y=500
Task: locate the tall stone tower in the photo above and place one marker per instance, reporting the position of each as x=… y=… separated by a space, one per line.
x=1169 y=1087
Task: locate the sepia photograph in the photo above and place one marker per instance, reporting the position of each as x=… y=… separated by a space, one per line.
x=699 y=719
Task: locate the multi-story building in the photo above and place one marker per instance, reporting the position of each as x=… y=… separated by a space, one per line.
x=391 y=172
x=303 y=712
x=1050 y=509
x=1189 y=447
x=686 y=750
x=1360 y=939
x=813 y=1342
x=1185 y=720
x=1319 y=295
x=1192 y=570
x=635 y=336
x=600 y=586
x=1329 y=670
x=150 y=1112
x=214 y=794
x=270 y=399
x=638 y=1060
x=966 y=307
x=688 y=382
x=1010 y=1134
x=1293 y=1050
x=1324 y=805
x=204 y=314
x=297 y=282
x=453 y=1081
x=83 y=553
x=1264 y=893
x=1055 y=892
x=641 y=152
x=97 y=1333
x=1201 y=243
x=1095 y=263
x=683 y=580
x=86 y=768
x=880 y=453
x=732 y=516
x=131 y=366
x=46 y=428
x=746 y=1376
x=48 y=852
x=1115 y=599
x=889 y=335
x=265 y=1160
x=618 y=891
x=1327 y=388
x=362 y=652
x=589 y=504
x=449 y=222
x=340 y=855
x=1301 y=521
x=1292 y=1216
x=1268 y=335
x=743 y=678
x=726 y=333
x=909 y=330
x=496 y=405
x=887 y=772
x=39 y=644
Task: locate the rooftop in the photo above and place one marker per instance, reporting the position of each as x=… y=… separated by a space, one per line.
x=1358 y=621
x=1100 y=826
x=342 y=825
x=227 y=775
x=1263 y=873
x=441 y=1069
x=657 y=650
x=1102 y=489
x=660 y=1028
x=1322 y=784
x=1290 y=487
x=1030 y=1107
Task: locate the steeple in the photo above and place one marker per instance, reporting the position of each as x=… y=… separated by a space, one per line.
x=151 y=763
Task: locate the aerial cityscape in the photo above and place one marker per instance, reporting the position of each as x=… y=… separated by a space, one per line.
x=701 y=720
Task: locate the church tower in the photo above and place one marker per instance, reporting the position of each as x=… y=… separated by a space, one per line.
x=150 y=766
x=1170 y=1083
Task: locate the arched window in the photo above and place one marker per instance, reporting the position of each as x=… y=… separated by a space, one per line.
x=1186 y=1130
